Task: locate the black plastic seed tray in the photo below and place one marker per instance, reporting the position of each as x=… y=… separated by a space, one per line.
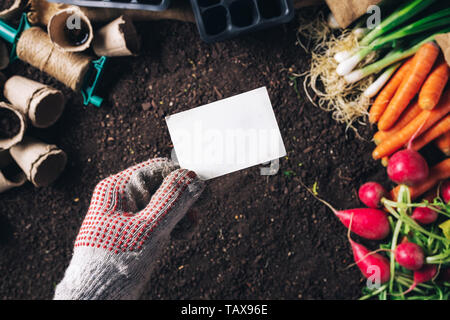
x=152 y=5
x=222 y=19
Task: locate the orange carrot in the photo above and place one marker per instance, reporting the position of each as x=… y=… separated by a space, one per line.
x=434 y=132
x=434 y=85
x=420 y=68
x=417 y=126
x=439 y=172
x=407 y=116
x=386 y=94
x=443 y=143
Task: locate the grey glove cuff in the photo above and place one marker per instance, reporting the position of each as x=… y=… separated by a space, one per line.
x=106 y=276
x=115 y=250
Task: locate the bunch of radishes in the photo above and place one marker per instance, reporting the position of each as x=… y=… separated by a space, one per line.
x=406 y=167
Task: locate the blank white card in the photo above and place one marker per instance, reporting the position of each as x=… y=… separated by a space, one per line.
x=227 y=135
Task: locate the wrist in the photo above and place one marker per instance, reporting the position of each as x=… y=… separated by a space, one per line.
x=107 y=276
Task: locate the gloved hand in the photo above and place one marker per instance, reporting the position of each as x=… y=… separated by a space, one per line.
x=125 y=229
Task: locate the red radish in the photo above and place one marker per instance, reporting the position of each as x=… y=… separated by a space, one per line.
x=370 y=263
x=371 y=193
x=368 y=223
x=372 y=224
x=445 y=191
x=424 y=215
x=409 y=255
x=407 y=167
x=425 y=274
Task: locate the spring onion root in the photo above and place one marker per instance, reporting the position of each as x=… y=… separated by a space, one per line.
x=334 y=94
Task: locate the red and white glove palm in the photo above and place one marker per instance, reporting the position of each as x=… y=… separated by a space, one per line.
x=129 y=220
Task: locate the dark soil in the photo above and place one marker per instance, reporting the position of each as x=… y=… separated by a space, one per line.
x=249 y=236
x=9 y=124
x=12 y=172
x=6 y=4
x=75 y=36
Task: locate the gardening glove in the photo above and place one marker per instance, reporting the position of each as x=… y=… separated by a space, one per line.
x=126 y=228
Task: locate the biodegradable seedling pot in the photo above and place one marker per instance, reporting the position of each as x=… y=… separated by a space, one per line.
x=118 y=38
x=70 y=30
x=41 y=162
x=10 y=174
x=42 y=104
x=12 y=126
x=14 y=10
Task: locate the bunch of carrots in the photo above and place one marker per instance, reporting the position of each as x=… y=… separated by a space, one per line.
x=413 y=110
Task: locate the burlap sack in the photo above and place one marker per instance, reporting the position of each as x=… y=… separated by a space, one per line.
x=347 y=11
x=444 y=42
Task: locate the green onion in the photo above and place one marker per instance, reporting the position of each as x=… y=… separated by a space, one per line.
x=441 y=18
x=376 y=86
x=401 y=15
x=438 y=19
x=388 y=60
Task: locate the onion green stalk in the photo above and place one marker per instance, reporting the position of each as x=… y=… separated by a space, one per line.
x=360 y=32
x=398 y=17
x=415 y=28
x=438 y=19
x=435 y=20
x=390 y=59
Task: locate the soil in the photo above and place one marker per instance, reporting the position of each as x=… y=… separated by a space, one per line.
x=6 y=4
x=12 y=172
x=9 y=124
x=77 y=37
x=249 y=236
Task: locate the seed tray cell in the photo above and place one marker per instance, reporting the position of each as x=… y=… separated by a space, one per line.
x=151 y=5
x=223 y=19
